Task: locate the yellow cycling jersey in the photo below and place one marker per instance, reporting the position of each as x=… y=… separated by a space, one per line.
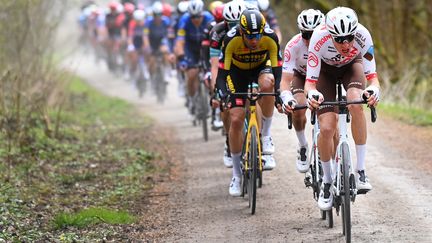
x=235 y=52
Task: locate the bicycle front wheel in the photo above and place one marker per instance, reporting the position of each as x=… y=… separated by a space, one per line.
x=346 y=201
x=253 y=169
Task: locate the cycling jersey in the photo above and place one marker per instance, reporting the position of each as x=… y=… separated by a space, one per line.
x=205 y=46
x=157 y=33
x=236 y=53
x=322 y=49
x=295 y=56
x=217 y=35
x=191 y=34
x=113 y=22
x=136 y=32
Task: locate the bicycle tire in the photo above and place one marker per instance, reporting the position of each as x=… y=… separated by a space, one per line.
x=346 y=201
x=329 y=216
x=253 y=169
x=204 y=109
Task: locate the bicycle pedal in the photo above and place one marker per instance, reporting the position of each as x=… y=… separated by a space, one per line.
x=307 y=182
x=362 y=191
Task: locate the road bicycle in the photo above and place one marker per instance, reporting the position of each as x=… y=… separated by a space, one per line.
x=344 y=189
x=159 y=83
x=252 y=162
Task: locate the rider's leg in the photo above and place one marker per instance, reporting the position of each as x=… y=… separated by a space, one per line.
x=358 y=122
x=328 y=127
x=266 y=84
x=237 y=116
x=192 y=81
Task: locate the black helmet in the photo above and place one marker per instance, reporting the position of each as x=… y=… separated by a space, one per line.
x=252 y=22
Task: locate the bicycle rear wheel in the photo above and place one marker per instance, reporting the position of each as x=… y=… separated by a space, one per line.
x=204 y=110
x=253 y=169
x=346 y=201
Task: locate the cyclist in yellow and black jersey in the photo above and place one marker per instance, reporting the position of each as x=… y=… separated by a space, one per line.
x=250 y=53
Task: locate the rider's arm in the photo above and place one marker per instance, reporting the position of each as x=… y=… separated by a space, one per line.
x=275 y=58
x=146 y=41
x=224 y=66
x=181 y=36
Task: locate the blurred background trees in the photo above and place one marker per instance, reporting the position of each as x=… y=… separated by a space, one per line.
x=402 y=34
x=30 y=86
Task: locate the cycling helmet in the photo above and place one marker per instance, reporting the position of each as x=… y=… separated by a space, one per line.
x=252 y=22
x=129 y=8
x=309 y=19
x=182 y=7
x=213 y=5
x=166 y=9
x=341 y=21
x=113 y=5
x=195 y=7
x=263 y=5
x=233 y=10
x=120 y=8
x=139 y=15
x=157 y=8
x=218 y=13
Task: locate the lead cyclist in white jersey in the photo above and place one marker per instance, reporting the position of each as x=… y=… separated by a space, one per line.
x=342 y=49
x=294 y=77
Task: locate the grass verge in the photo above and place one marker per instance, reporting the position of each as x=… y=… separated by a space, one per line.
x=407 y=114
x=82 y=185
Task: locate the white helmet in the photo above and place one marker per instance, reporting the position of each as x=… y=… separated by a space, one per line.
x=309 y=19
x=139 y=15
x=182 y=7
x=263 y=5
x=233 y=10
x=157 y=8
x=195 y=7
x=341 y=21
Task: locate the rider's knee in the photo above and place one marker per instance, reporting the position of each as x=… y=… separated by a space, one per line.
x=355 y=109
x=266 y=82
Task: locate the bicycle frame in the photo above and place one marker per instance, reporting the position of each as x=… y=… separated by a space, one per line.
x=253 y=122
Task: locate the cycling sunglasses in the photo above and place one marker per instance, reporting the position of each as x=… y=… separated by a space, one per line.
x=196 y=16
x=306 y=34
x=342 y=39
x=253 y=36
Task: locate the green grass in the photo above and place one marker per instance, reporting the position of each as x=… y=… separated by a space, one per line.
x=100 y=159
x=406 y=114
x=92 y=216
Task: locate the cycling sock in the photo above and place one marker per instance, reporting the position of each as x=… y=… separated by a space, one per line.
x=301 y=138
x=236 y=164
x=327 y=171
x=361 y=152
x=266 y=124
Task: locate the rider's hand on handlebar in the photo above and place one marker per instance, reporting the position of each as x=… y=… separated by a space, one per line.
x=314 y=103
x=288 y=102
x=372 y=95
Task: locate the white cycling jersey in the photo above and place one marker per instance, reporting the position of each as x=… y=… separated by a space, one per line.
x=295 y=55
x=321 y=48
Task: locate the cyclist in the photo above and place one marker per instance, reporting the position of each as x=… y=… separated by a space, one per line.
x=156 y=36
x=342 y=49
x=231 y=15
x=189 y=37
x=269 y=14
x=293 y=78
x=129 y=9
x=181 y=10
x=250 y=52
x=114 y=22
x=135 y=39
